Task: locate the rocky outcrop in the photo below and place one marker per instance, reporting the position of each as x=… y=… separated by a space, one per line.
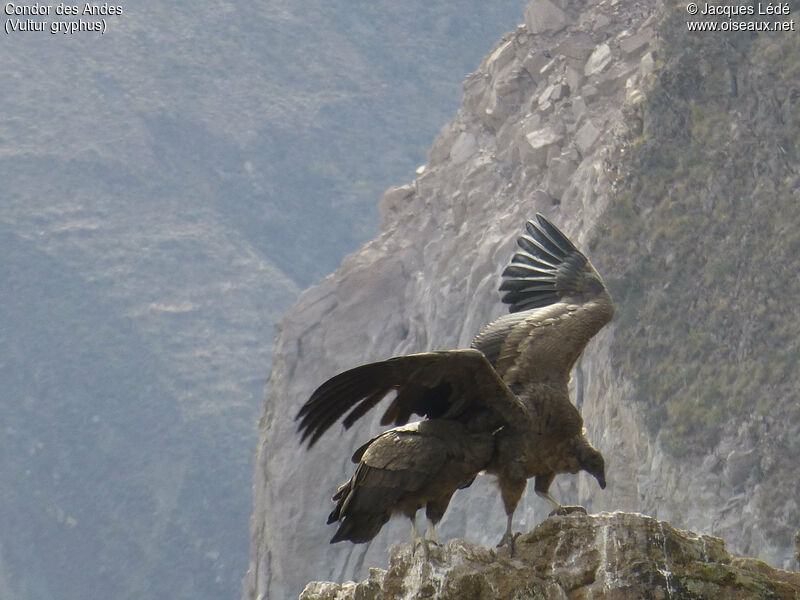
x=585 y=114
x=610 y=556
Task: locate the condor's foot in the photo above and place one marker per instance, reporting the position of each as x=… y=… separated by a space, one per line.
x=508 y=540
x=425 y=541
x=566 y=510
x=426 y=547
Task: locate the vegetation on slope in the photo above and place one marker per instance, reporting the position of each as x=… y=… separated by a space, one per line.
x=703 y=239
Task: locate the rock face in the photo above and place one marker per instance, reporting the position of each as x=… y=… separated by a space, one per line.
x=644 y=145
x=611 y=556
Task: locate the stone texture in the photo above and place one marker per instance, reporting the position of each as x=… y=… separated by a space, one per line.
x=574 y=78
x=631 y=44
x=544 y=16
x=553 y=93
x=797 y=548
x=559 y=170
x=538 y=143
x=394 y=199
x=598 y=60
x=578 y=46
x=534 y=62
x=586 y=136
x=617 y=556
x=501 y=56
x=464 y=147
x=647 y=64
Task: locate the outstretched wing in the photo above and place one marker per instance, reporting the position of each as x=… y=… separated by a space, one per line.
x=517 y=369
x=448 y=384
x=557 y=301
x=548 y=267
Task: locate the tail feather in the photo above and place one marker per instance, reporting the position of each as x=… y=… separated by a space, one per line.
x=360 y=530
x=361 y=512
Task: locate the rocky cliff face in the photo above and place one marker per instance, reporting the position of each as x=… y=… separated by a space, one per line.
x=644 y=144
x=608 y=556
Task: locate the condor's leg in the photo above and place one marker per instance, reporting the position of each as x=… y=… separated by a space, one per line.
x=417 y=539
x=434 y=511
x=511 y=491
x=415 y=536
x=541 y=488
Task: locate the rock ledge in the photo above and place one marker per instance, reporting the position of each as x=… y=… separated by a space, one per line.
x=608 y=555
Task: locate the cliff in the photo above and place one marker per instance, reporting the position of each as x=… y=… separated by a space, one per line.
x=670 y=157
x=610 y=556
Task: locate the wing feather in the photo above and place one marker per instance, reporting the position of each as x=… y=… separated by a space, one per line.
x=538 y=252
x=549 y=268
x=557 y=303
x=447 y=384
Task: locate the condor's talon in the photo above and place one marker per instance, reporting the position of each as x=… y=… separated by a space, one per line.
x=431 y=534
x=566 y=510
x=426 y=547
x=508 y=540
x=417 y=543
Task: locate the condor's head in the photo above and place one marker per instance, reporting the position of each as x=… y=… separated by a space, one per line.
x=591 y=460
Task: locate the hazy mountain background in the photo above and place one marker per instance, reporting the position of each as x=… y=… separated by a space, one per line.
x=167 y=189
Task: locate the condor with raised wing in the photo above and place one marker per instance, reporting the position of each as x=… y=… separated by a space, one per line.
x=505 y=398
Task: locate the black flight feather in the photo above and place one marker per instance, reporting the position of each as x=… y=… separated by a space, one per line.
x=554 y=234
x=536 y=276
x=538 y=251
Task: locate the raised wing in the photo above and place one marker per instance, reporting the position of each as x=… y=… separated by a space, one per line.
x=453 y=384
x=548 y=270
x=558 y=302
x=516 y=372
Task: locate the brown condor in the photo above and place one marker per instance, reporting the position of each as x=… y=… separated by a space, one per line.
x=501 y=406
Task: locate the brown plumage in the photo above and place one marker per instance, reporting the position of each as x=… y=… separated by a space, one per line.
x=506 y=395
x=403 y=469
